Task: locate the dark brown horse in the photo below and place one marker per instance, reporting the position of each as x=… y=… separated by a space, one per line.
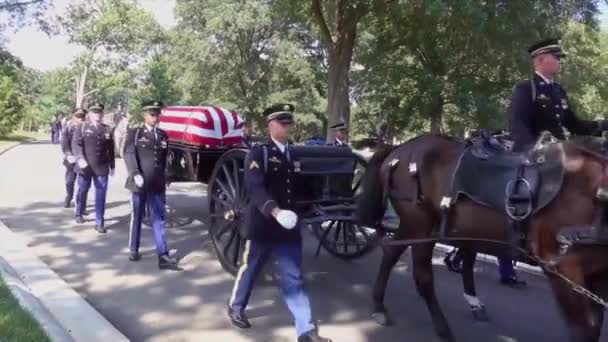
x=436 y=158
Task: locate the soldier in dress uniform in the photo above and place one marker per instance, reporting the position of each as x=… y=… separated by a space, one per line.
x=145 y=156
x=541 y=104
x=271 y=169
x=339 y=134
x=69 y=160
x=93 y=148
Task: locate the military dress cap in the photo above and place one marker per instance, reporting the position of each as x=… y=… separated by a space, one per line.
x=154 y=107
x=80 y=112
x=339 y=126
x=96 y=108
x=282 y=112
x=550 y=46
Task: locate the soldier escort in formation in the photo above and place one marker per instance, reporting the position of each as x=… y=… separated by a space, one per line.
x=145 y=156
x=340 y=130
x=272 y=225
x=69 y=160
x=93 y=148
x=540 y=104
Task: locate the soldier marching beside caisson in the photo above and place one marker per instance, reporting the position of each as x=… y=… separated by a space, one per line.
x=145 y=156
x=272 y=225
x=93 y=148
x=69 y=160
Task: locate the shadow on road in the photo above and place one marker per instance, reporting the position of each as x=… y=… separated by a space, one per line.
x=149 y=305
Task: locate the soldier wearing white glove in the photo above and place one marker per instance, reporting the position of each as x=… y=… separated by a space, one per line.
x=286 y=218
x=271 y=225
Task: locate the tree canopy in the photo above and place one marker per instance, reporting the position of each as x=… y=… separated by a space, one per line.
x=400 y=66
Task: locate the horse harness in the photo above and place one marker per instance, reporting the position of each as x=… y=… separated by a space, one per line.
x=520 y=187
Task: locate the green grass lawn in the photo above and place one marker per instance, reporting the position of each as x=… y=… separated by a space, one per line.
x=16 y=324
x=8 y=140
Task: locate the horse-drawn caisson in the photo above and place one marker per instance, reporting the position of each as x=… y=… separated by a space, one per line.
x=206 y=146
x=547 y=204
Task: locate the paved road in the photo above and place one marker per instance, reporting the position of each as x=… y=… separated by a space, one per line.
x=148 y=305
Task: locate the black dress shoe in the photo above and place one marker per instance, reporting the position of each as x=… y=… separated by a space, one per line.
x=513 y=282
x=165 y=262
x=238 y=319
x=134 y=256
x=67 y=203
x=100 y=229
x=312 y=336
x=79 y=220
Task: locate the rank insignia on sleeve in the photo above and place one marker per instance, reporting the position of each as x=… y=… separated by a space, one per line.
x=254 y=165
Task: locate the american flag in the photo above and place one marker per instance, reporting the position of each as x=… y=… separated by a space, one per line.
x=209 y=126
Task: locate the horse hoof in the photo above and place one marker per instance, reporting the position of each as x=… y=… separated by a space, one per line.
x=381 y=318
x=480 y=314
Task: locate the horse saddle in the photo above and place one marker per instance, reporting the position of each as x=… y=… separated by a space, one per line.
x=492 y=176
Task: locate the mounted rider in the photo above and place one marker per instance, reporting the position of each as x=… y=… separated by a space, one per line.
x=541 y=104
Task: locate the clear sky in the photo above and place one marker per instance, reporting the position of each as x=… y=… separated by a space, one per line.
x=39 y=51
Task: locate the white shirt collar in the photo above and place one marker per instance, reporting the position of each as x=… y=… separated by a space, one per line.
x=340 y=142
x=279 y=145
x=149 y=128
x=544 y=78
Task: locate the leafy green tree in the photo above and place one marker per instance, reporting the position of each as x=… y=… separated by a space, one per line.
x=114 y=32
x=244 y=55
x=443 y=66
x=10 y=106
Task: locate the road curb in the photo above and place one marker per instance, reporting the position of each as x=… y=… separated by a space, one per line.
x=10 y=147
x=62 y=313
x=520 y=266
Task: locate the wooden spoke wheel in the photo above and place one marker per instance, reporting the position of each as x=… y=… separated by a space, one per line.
x=346 y=239
x=227 y=204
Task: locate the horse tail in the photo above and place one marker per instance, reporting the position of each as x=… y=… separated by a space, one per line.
x=371 y=204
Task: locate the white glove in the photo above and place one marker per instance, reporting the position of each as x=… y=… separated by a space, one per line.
x=111 y=172
x=71 y=159
x=82 y=163
x=139 y=180
x=287 y=218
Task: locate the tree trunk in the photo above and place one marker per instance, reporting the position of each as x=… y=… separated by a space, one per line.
x=338 y=101
x=339 y=54
x=81 y=86
x=437 y=115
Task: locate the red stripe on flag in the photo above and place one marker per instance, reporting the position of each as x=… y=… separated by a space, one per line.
x=189 y=121
x=193 y=139
x=237 y=124
x=223 y=120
